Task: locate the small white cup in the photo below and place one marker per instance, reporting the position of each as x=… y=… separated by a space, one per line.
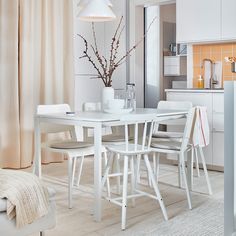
x=116 y=104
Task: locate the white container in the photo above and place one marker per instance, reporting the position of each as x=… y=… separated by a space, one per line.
x=116 y=104
x=107 y=95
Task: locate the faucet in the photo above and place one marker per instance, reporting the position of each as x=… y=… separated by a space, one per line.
x=212 y=80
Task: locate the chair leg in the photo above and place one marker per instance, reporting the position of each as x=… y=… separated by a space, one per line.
x=205 y=170
x=117 y=169
x=42 y=234
x=74 y=161
x=138 y=169
x=107 y=178
x=156 y=189
x=154 y=162
x=124 y=194
x=80 y=171
x=157 y=166
x=182 y=166
x=133 y=185
x=179 y=174
x=70 y=182
x=196 y=162
x=192 y=160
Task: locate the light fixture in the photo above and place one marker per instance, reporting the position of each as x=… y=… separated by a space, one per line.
x=83 y=3
x=96 y=11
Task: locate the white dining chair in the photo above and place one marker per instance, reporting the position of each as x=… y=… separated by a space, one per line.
x=72 y=148
x=116 y=136
x=177 y=136
x=178 y=148
x=129 y=152
x=178 y=121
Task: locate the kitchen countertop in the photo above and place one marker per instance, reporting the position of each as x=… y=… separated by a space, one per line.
x=195 y=90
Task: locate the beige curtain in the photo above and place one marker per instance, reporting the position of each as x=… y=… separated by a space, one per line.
x=9 y=87
x=44 y=60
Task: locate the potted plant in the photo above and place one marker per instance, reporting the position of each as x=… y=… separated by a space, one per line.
x=105 y=67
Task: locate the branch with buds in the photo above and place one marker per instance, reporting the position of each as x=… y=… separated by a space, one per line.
x=106 y=67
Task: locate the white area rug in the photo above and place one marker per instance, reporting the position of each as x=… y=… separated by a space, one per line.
x=204 y=220
x=146 y=219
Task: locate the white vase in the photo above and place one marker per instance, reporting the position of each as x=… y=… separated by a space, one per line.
x=107 y=95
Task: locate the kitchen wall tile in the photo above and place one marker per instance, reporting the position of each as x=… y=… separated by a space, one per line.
x=197 y=59
x=216 y=52
x=197 y=49
x=216 y=56
x=228 y=78
x=216 y=48
x=227 y=70
x=227 y=47
x=205 y=55
x=234 y=48
x=206 y=49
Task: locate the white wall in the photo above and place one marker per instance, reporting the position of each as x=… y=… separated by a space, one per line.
x=87 y=89
x=152 y=60
x=167 y=14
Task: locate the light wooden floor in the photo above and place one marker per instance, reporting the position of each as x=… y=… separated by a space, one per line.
x=79 y=220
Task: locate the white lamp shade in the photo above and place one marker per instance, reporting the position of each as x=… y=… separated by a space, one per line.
x=83 y=3
x=96 y=11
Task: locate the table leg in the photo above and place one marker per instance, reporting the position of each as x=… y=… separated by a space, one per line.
x=98 y=172
x=37 y=148
x=189 y=170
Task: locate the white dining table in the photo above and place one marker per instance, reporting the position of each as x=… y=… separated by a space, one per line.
x=95 y=120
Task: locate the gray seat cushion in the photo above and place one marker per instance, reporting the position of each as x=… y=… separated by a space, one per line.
x=163 y=134
x=70 y=145
x=114 y=138
x=170 y=145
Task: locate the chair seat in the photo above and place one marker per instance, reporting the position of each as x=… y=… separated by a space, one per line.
x=114 y=138
x=163 y=134
x=70 y=145
x=169 y=145
x=121 y=149
x=72 y=149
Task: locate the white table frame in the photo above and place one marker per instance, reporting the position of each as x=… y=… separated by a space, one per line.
x=89 y=120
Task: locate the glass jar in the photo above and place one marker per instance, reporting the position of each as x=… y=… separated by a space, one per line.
x=200 y=82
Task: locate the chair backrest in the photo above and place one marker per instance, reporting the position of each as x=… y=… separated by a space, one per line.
x=53 y=109
x=189 y=128
x=144 y=125
x=174 y=105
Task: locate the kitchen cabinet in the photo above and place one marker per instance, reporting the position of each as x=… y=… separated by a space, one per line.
x=198 y=21
x=218 y=149
x=175 y=65
x=228 y=19
x=214 y=101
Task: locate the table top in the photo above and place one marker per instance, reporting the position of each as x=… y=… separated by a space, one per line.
x=105 y=117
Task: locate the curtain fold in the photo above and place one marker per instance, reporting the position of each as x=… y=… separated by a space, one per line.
x=9 y=87
x=45 y=70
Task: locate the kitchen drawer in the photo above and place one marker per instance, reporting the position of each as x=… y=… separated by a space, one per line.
x=218 y=122
x=218 y=102
x=171 y=61
x=171 y=70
